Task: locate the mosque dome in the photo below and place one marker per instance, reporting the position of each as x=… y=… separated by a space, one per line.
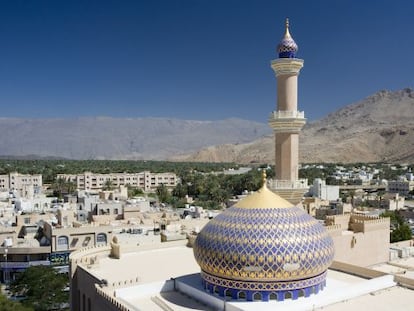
x=287 y=48
x=264 y=248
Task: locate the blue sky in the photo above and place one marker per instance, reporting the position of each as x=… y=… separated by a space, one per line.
x=196 y=59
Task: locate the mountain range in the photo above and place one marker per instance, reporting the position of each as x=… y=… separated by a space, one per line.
x=377 y=128
x=120 y=138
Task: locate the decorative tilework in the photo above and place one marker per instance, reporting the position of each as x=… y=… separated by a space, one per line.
x=287 y=48
x=266 y=249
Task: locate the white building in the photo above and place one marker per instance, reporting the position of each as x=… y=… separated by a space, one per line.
x=320 y=190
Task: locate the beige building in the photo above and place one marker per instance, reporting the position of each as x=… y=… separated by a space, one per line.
x=402 y=187
x=26 y=185
x=146 y=181
x=360 y=240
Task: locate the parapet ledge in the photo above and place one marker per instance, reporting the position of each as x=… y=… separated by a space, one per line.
x=333 y=227
x=81 y=255
x=111 y=299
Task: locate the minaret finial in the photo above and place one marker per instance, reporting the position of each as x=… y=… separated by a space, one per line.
x=287 y=34
x=287 y=48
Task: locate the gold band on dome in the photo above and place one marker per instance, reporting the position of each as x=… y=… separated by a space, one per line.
x=263 y=198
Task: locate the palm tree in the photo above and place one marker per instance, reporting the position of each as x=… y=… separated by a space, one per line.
x=108 y=185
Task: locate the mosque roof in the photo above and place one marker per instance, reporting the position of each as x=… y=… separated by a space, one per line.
x=287 y=48
x=264 y=243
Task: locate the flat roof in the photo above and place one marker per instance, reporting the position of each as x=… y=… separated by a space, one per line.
x=155 y=267
x=148 y=265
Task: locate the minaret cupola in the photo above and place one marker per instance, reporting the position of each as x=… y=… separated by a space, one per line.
x=287 y=48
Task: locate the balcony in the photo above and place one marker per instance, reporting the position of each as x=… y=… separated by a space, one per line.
x=287 y=115
x=287 y=121
x=288 y=184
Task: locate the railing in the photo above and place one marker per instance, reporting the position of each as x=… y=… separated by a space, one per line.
x=23 y=264
x=287 y=114
x=288 y=184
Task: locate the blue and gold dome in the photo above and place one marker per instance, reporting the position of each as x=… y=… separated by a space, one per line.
x=264 y=248
x=287 y=48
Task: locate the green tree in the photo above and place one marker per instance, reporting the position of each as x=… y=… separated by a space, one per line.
x=163 y=193
x=8 y=305
x=134 y=191
x=43 y=286
x=400 y=229
x=108 y=185
x=58 y=187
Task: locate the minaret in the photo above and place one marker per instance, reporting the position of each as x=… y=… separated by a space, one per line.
x=287 y=122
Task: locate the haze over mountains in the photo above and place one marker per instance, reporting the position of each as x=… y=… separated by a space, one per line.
x=120 y=138
x=378 y=128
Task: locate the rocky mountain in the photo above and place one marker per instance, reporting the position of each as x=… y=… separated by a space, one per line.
x=120 y=138
x=377 y=128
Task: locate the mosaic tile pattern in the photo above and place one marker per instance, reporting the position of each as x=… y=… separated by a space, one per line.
x=287 y=48
x=263 y=246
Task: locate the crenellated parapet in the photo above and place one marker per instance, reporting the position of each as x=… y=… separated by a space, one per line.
x=114 y=303
x=368 y=223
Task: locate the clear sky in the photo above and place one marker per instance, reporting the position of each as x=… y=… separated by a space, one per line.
x=196 y=59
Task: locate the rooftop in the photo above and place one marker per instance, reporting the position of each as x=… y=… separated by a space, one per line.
x=159 y=271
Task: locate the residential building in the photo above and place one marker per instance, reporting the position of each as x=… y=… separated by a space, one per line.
x=146 y=180
x=23 y=185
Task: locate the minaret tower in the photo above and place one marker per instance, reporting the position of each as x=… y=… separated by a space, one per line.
x=287 y=122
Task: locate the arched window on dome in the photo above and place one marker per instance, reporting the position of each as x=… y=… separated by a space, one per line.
x=241 y=295
x=257 y=296
x=288 y=295
x=301 y=293
x=216 y=290
x=273 y=296
x=227 y=293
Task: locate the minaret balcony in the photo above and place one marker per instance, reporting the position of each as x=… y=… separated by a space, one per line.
x=287 y=114
x=287 y=121
x=288 y=184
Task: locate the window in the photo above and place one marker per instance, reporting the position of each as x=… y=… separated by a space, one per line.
x=62 y=242
x=86 y=241
x=257 y=296
x=101 y=239
x=73 y=243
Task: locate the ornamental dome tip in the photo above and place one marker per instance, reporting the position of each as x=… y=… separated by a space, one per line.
x=287 y=48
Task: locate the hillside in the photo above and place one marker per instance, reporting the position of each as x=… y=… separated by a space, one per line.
x=377 y=128
x=120 y=138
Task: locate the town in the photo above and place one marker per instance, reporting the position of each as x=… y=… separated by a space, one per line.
x=43 y=223
x=105 y=205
